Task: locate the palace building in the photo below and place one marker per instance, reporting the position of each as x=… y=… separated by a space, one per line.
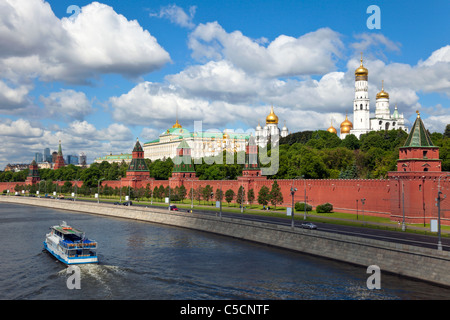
x=203 y=144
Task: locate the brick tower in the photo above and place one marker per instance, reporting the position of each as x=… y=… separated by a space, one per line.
x=33 y=175
x=59 y=162
x=183 y=167
x=418 y=153
x=137 y=170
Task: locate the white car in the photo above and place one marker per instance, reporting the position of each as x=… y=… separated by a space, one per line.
x=308 y=225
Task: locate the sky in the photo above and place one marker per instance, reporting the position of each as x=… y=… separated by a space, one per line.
x=98 y=75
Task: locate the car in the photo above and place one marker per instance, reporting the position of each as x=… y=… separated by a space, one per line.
x=117 y=203
x=308 y=225
x=173 y=207
x=127 y=203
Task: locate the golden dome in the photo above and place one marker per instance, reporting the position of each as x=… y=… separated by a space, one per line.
x=361 y=71
x=382 y=94
x=332 y=129
x=177 y=125
x=346 y=125
x=272 y=117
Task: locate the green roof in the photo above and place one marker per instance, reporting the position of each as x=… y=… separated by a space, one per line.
x=418 y=137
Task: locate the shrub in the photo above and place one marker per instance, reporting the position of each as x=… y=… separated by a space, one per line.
x=300 y=206
x=324 y=208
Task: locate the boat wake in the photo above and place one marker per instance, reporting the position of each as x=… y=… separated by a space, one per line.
x=97 y=277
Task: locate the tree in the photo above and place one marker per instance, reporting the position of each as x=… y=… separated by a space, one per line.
x=206 y=192
x=276 y=197
x=447 y=131
x=198 y=194
x=263 y=196
x=240 y=195
x=251 y=196
x=229 y=196
x=218 y=196
x=182 y=193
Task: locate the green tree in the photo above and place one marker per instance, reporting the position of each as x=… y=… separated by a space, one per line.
x=229 y=196
x=240 y=195
x=263 y=196
x=251 y=196
x=276 y=197
x=206 y=192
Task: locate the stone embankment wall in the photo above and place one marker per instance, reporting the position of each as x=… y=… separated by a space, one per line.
x=420 y=263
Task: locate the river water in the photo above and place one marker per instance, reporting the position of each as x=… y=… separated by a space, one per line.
x=140 y=260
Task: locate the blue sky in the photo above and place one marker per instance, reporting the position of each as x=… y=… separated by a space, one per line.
x=123 y=69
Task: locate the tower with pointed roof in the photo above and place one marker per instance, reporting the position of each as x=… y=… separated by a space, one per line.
x=418 y=154
x=361 y=107
x=33 y=174
x=59 y=162
x=183 y=167
x=137 y=170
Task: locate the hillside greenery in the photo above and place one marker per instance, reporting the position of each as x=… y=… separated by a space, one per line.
x=310 y=154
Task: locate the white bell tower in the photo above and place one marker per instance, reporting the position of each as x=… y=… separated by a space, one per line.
x=361 y=110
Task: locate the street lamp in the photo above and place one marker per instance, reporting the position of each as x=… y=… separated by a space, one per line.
x=40 y=187
x=221 y=194
x=98 y=192
x=304 y=216
x=293 y=190
x=363 y=201
x=438 y=199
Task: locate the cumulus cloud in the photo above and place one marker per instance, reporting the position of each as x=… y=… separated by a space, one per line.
x=177 y=15
x=312 y=53
x=35 y=43
x=24 y=138
x=67 y=104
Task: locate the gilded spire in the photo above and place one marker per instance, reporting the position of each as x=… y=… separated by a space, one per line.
x=361 y=71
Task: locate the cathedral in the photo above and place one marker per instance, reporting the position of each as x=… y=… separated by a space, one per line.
x=270 y=130
x=362 y=122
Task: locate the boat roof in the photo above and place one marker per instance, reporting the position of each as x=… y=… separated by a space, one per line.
x=67 y=230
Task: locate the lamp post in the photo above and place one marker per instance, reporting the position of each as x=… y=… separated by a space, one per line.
x=293 y=190
x=363 y=201
x=221 y=195
x=403 y=207
x=40 y=187
x=98 y=192
x=438 y=200
x=304 y=180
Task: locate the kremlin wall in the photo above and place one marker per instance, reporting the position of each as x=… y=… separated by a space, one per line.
x=410 y=191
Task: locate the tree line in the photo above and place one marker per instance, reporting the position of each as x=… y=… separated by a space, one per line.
x=311 y=154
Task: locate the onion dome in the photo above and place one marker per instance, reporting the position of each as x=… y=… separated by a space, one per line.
x=361 y=73
x=332 y=129
x=382 y=94
x=177 y=125
x=346 y=125
x=272 y=117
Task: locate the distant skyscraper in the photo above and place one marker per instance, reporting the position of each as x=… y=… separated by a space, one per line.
x=47 y=155
x=38 y=157
x=82 y=159
x=71 y=159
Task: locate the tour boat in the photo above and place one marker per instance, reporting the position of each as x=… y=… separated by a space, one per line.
x=70 y=245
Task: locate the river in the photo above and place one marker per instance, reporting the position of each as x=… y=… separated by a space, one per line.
x=141 y=260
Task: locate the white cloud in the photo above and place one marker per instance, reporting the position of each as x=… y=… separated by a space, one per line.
x=177 y=15
x=35 y=43
x=67 y=104
x=312 y=53
x=20 y=129
x=13 y=98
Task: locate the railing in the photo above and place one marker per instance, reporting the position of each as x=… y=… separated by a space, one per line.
x=78 y=245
